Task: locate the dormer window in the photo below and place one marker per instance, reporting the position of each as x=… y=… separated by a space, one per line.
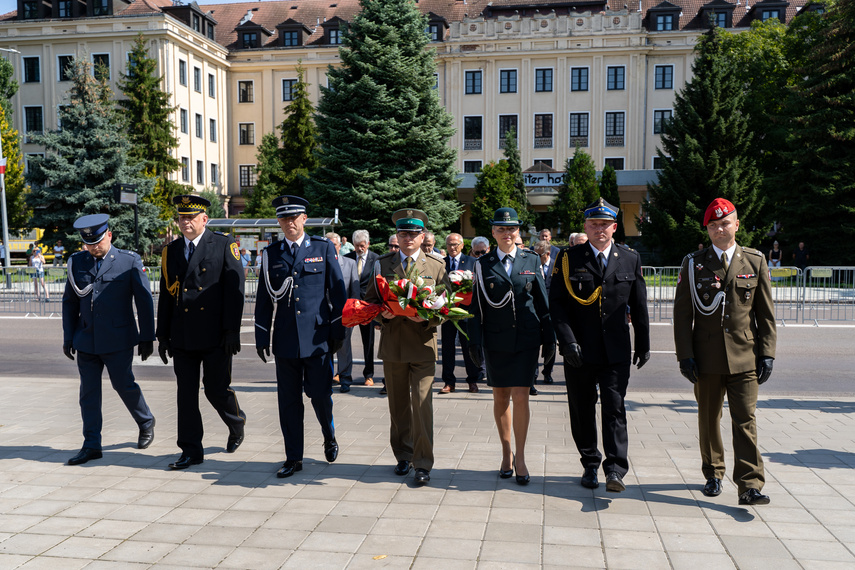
x=197 y=24
x=433 y=32
x=292 y=33
x=769 y=14
x=249 y=40
x=436 y=27
x=664 y=17
x=63 y=8
x=335 y=36
x=209 y=31
x=664 y=22
x=718 y=13
x=30 y=10
x=770 y=9
x=100 y=7
x=291 y=38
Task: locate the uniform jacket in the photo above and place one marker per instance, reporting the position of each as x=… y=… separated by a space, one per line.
x=600 y=328
x=403 y=340
x=367 y=269
x=310 y=315
x=466 y=263
x=103 y=321
x=351 y=278
x=500 y=328
x=209 y=298
x=729 y=341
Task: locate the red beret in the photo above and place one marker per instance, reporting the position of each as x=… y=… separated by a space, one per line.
x=718 y=209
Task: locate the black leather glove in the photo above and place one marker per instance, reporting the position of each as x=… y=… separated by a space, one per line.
x=231 y=342
x=476 y=355
x=689 y=369
x=261 y=352
x=764 y=368
x=68 y=350
x=164 y=349
x=145 y=349
x=641 y=358
x=548 y=351
x=335 y=344
x=572 y=354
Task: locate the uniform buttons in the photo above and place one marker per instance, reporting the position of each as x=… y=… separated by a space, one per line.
x=297 y=299
x=295 y=286
x=298 y=312
x=185 y=290
x=727 y=330
x=200 y=288
x=185 y=310
x=204 y=270
x=727 y=316
x=295 y=273
x=201 y=308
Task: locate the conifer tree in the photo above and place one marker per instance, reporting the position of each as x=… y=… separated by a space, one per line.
x=578 y=189
x=609 y=192
x=382 y=131
x=268 y=184
x=148 y=114
x=705 y=151
x=216 y=209
x=494 y=189
x=519 y=199
x=8 y=85
x=16 y=206
x=298 y=153
x=83 y=163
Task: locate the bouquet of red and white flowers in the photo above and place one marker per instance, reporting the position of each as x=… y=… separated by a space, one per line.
x=461 y=285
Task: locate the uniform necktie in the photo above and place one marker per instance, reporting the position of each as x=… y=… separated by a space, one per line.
x=359 y=265
x=294 y=249
x=724 y=262
x=407 y=261
x=190 y=249
x=509 y=263
x=602 y=259
x=98 y=265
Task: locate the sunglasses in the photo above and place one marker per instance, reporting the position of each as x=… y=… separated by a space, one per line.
x=478 y=253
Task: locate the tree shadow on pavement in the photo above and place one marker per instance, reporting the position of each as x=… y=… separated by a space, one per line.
x=814 y=458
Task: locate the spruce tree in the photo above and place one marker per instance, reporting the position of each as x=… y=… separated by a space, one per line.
x=268 y=184
x=83 y=163
x=216 y=209
x=148 y=114
x=298 y=153
x=8 y=85
x=519 y=199
x=816 y=190
x=16 y=206
x=578 y=189
x=706 y=155
x=382 y=131
x=494 y=189
x=609 y=193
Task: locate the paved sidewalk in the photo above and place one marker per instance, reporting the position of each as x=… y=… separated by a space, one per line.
x=128 y=510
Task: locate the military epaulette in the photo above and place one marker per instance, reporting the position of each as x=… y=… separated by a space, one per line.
x=753 y=251
x=387 y=254
x=436 y=256
x=626 y=247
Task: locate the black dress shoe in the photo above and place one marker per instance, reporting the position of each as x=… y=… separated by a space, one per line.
x=403 y=467
x=422 y=477
x=383 y=390
x=289 y=468
x=753 y=497
x=85 y=454
x=532 y=391
x=331 y=450
x=547 y=379
x=344 y=388
x=185 y=461
x=234 y=441
x=614 y=483
x=712 y=488
x=589 y=478
x=146 y=436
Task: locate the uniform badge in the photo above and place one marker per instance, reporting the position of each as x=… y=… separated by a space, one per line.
x=235 y=251
x=747 y=295
x=699 y=266
x=706 y=296
x=717 y=285
x=526 y=272
x=313 y=260
x=491 y=285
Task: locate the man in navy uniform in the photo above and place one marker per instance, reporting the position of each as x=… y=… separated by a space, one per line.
x=593 y=285
x=456 y=261
x=104 y=284
x=198 y=322
x=301 y=279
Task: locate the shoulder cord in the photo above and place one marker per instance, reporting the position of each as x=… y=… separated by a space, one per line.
x=705 y=310
x=276 y=294
x=172 y=289
x=80 y=292
x=508 y=298
x=596 y=295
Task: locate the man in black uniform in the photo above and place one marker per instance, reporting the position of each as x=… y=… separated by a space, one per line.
x=198 y=321
x=593 y=285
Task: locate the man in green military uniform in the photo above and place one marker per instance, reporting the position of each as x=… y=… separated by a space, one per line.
x=408 y=350
x=724 y=331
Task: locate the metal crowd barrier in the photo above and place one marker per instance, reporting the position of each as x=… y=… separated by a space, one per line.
x=813 y=295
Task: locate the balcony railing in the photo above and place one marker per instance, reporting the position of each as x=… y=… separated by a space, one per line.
x=472 y=144
x=542 y=142
x=578 y=141
x=614 y=140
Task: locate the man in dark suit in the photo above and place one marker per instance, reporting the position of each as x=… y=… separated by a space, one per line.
x=198 y=322
x=548 y=254
x=456 y=261
x=344 y=356
x=724 y=332
x=546 y=235
x=104 y=284
x=301 y=280
x=365 y=259
x=594 y=285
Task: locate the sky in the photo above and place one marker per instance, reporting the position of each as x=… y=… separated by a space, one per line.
x=10 y=5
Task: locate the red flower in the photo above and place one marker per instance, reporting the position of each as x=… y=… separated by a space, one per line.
x=444 y=310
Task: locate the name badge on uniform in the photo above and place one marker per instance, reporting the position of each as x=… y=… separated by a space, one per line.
x=746 y=276
x=581 y=270
x=526 y=272
x=277 y=266
x=313 y=260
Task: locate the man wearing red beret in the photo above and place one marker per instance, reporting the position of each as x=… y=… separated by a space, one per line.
x=724 y=331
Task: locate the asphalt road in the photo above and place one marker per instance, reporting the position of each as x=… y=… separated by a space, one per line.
x=810 y=361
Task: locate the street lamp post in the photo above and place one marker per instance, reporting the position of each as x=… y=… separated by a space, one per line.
x=8 y=261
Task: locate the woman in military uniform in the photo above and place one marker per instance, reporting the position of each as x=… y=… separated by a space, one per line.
x=511 y=321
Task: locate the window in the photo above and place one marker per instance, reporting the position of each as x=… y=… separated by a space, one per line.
x=185 y=169
x=212 y=127
x=212 y=85
x=335 y=36
x=33 y=120
x=101 y=66
x=664 y=77
x=506 y=123
x=547 y=162
x=543 y=131
x=100 y=7
x=247 y=175
x=29 y=157
x=289 y=89
x=32 y=70
x=200 y=172
x=197 y=23
x=247 y=133
x=31 y=9
x=615 y=128
x=660 y=118
x=472 y=133
x=659 y=162
x=199 y=131
x=472 y=166
x=291 y=38
x=64 y=8
x=245 y=92
x=436 y=81
x=578 y=130
x=578 y=79
x=616 y=163
x=769 y=14
x=615 y=80
x=185 y=128
x=508 y=81
x=60 y=111
x=433 y=32
x=214 y=175
x=197 y=79
x=249 y=40
x=182 y=72
x=209 y=31
x=473 y=82
x=64 y=66
x=542 y=80
x=664 y=22
x=720 y=19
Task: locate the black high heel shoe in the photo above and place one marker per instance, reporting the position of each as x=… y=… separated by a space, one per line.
x=507 y=474
x=521 y=479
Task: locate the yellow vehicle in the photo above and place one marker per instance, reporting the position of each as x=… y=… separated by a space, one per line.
x=21 y=243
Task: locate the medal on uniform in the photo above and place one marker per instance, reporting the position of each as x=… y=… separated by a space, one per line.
x=528 y=286
x=706 y=296
x=747 y=295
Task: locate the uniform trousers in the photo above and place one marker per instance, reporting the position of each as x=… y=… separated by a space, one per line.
x=741 y=390
x=91 y=367
x=613 y=380
x=216 y=368
x=450 y=335
x=344 y=360
x=314 y=376
x=367 y=332
x=411 y=410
